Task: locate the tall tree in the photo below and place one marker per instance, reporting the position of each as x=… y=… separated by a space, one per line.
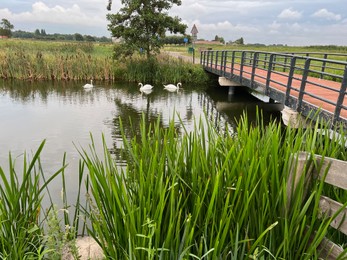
x=79 y=37
x=6 y=27
x=141 y=24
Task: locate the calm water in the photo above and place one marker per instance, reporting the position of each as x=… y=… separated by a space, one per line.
x=65 y=115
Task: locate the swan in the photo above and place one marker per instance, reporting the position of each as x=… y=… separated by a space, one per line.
x=87 y=86
x=145 y=87
x=173 y=87
x=146 y=91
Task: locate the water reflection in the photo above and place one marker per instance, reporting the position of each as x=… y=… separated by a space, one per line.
x=65 y=115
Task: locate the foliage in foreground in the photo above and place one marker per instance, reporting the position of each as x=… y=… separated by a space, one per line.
x=21 y=194
x=201 y=195
x=204 y=195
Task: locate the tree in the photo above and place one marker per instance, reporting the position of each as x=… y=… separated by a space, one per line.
x=89 y=38
x=142 y=24
x=219 y=39
x=79 y=37
x=37 y=33
x=6 y=27
x=239 y=41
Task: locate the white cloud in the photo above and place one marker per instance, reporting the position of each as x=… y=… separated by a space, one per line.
x=65 y=17
x=295 y=27
x=275 y=26
x=257 y=21
x=5 y=13
x=290 y=14
x=325 y=14
x=57 y=15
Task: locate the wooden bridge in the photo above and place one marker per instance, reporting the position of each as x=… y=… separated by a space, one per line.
x=312 y=84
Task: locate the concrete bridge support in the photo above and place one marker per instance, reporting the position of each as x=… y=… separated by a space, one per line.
x=292 y=118
x=224 y=82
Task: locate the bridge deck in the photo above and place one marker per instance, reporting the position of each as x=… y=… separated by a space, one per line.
x=331 y=94
x=290 y=82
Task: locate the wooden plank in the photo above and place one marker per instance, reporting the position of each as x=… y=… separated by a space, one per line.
x=329 y=250
x=337 y=174
x=328 y=208
x=298 y=165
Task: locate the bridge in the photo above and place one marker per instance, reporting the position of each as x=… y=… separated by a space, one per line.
x=309 y=84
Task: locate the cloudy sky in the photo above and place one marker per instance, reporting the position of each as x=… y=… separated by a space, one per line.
x=292 y=22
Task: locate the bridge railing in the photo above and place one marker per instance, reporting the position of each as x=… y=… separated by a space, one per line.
x=294 y=80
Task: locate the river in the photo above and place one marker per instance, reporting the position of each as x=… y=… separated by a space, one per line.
x=66 y=115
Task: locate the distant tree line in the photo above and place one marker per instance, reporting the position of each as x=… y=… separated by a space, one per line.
x=177 y=40
x=239 y=41
x=42 y=35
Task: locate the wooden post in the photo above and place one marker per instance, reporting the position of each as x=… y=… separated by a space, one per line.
x=333 y=172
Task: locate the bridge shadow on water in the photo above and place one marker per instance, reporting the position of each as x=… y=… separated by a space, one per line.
x=234 y=106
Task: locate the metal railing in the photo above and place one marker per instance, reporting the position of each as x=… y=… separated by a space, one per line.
x=302 y=81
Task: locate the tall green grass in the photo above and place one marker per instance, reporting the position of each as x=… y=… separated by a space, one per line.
x=207 y=195
x=74 y=63
x=163 y=69
x=38 y=60
x=198 y=195
x=21 y=194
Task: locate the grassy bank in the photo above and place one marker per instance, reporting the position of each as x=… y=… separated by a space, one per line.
x=200 y=195
x=48 y=60
x=40 y=60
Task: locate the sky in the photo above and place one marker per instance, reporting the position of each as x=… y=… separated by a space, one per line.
x=291 y=22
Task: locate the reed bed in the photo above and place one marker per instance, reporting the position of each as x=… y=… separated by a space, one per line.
x=17 y=63
x=35 y=60
x=163 y=69
x=208 y=195
x=202 y=194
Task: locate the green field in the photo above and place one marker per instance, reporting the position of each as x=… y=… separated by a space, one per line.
x=51 y=60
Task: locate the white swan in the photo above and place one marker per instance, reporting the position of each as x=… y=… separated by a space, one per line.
x=87 y=86
x=146 y=91
x=145 y=87
x=172 y=87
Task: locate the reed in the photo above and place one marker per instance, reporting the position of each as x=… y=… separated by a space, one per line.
x=203 y=194
x=163 y=69
x=206 y=194
x=55 y=61
x=35 y=60
x=21 y=194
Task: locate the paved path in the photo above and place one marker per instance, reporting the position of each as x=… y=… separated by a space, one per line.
x=328 y=95
x=186 y=58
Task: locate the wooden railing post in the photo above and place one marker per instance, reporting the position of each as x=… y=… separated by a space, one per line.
x=305 y=168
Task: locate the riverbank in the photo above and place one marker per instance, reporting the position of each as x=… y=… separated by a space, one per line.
x=206 y=192
x=39 y=60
